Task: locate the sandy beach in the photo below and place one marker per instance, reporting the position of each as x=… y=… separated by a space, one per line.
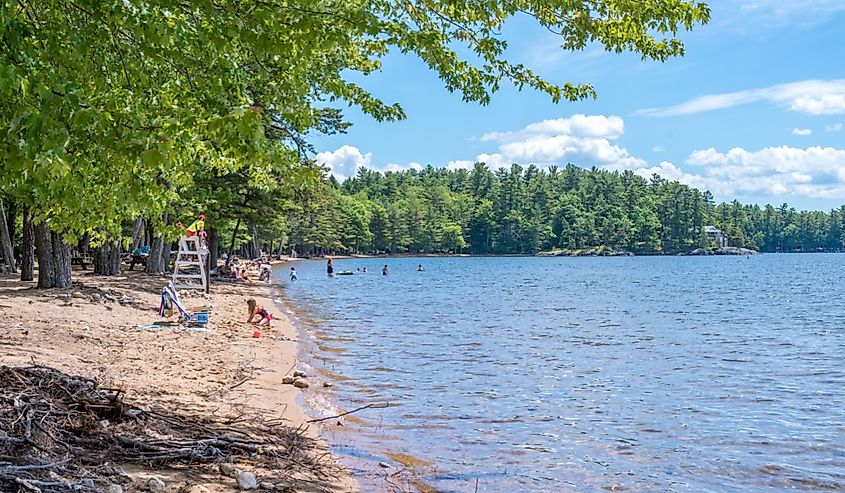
x=91 y=329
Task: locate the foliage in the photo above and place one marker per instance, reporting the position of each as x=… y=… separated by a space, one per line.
x=525 y=210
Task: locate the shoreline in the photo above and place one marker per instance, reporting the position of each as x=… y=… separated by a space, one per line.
x=224 y=372
x=350 y=430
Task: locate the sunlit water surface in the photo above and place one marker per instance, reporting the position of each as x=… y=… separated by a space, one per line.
x=588 y=374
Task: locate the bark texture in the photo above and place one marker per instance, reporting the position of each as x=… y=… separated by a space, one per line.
x=53 y=258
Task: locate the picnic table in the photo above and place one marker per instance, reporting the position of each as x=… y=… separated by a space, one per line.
x=141 y=259
x=81 y=260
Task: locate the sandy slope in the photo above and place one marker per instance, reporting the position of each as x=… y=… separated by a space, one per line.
x=224 y=372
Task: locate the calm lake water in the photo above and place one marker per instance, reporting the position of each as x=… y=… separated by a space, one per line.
x=588 y=374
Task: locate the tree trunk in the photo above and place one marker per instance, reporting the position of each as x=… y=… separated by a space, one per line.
x=11 y=215
x=255 y=251
x=165 y=256
x=138 y=234
x=107 y=259
x=213 y=247
x=85 y=245
x=232 y=243
x=6 y=241
x=155 y=261
x=53 y=258
x=28 y=247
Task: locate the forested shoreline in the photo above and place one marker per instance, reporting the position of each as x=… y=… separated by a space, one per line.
x=524 y=210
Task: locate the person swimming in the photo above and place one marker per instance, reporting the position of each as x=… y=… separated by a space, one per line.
x=420 y=268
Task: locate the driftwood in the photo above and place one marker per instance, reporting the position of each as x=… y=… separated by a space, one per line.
x=65 y=433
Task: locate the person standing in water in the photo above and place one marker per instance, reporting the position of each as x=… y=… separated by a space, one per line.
x=329 y=268
x=420 y=268
x=293 y=274
x=384 y=271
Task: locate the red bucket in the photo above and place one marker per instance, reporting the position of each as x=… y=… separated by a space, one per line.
x=256 y=334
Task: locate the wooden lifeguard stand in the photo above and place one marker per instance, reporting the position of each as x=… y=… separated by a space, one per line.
x=189 y=271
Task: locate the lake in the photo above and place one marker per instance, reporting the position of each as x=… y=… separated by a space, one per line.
x=585 y=374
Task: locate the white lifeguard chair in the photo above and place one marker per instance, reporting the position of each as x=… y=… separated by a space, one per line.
x=189 y=270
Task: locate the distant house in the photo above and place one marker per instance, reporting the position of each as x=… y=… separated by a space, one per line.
x=716 y=235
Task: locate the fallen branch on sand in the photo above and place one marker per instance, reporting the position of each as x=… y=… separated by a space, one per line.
x=64 y=433
x=379 y=405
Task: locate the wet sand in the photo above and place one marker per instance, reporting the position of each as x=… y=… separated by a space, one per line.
x=225 y=372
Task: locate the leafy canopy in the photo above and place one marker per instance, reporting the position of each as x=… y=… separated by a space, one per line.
x=109 y=108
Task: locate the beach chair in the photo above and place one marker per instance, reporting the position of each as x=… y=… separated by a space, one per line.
x=170 y=302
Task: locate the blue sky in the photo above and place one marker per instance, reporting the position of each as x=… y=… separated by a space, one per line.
x=754 y=111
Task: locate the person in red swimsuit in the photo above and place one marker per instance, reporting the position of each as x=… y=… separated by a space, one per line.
x=258 y=311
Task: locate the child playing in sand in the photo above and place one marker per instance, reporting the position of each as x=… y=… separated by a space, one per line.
x=293 y=274
x=260 y=311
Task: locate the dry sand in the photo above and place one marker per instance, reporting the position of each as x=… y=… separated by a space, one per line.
x=225 y=372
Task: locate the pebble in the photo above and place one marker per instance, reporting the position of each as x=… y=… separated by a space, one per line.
x=288 y=379
x=228 y=470
x=132 y=413
x=328 y=384
x=156 y=485
x=78 y=294
x=63 y=296
x=246 y=480
x=267 y=486
x=384 y=464
x=96 y=298
x=114 y=488
x=104 y=423
x=300 y=383
x=299 y=373
x=88 y=483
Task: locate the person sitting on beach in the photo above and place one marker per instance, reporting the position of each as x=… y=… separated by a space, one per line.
x=265 y=275
x=293 y=274
x=258 y=311
x=384 y=271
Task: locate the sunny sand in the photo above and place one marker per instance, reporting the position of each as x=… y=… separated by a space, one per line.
x=225 y=372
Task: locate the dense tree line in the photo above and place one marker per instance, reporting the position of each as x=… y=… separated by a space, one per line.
x=523 y=210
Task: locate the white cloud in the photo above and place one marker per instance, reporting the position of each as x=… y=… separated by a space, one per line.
x=833 y=128
x=399 y=167
x=460 y=164
x=344 y=161
x=802 y=132
x=579 y=139
x=815 y=172
x=658 y=148
x=826 y=104
x=814 y=97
